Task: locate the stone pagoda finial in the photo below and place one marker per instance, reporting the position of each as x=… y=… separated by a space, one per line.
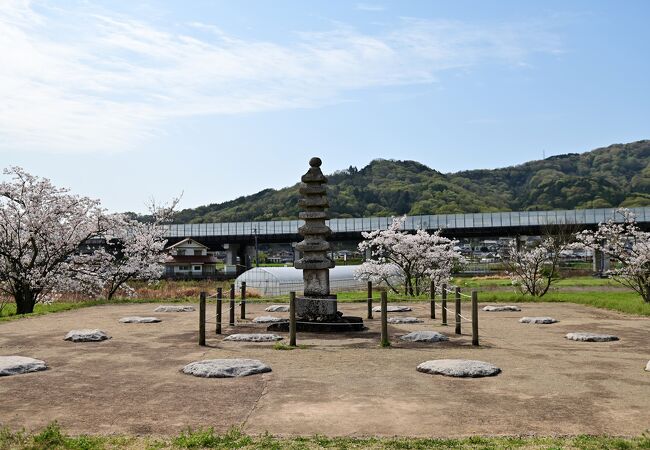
x=315 y=263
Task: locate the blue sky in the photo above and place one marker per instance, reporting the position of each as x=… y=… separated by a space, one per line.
x=124 y=101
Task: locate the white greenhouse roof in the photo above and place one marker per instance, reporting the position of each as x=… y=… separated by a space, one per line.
x=291 y=274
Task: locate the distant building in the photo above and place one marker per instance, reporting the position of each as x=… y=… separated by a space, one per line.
x=190 y=259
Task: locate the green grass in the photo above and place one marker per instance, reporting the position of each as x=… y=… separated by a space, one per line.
x=53 y=438
x=627 y=301
x=478 y=282
x=9 y=311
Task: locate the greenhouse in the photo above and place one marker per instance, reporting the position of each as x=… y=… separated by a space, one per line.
x=276 y=281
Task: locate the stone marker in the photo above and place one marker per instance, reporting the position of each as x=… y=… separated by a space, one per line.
x=404 y=320
x=225 y=368
x=391 y=308
x=591 y=337
x=647 y=367
x=494 y=308
x=253 y=337
x=15 y=365
x=269 y=319
x=174 y=308
x=277 y=308
x=459 y=368
x=86 y=335
x=138 y=319
x=424 y=336
x=543 y=320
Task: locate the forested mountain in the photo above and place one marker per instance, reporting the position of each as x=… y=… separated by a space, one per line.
x=618 y=175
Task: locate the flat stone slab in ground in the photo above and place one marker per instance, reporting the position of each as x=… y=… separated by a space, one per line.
x=174 y=308
x=542 y=320
x=86 y=335
x=253 y=337
x=591 y=337
x=392 y=308
x=494 y=308
x=225 y=368
x=268 y=319
x=424 y=336
x=459 y=368
x=15 y=365
x=277 y=308
x=404 y=320
x=647 y=367
x=138 y=319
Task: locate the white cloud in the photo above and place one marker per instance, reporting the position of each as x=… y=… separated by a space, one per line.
x=79 y=80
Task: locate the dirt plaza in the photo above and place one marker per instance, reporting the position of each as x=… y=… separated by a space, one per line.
x=335 y=384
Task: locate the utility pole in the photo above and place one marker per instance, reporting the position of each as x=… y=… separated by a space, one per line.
x=257 y=257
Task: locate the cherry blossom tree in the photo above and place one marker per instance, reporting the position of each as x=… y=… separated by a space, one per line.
x=53 y=243
x=129 y=249
x=533 y=269
x=41 y=229
x=628 y=246
x=413 y=258
x=530 y=269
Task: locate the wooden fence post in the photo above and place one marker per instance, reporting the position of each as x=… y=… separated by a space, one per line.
x=369 y=299
x=202 y=319
x=292 y=318
x=457 y=310
x=243 y=300
x=231 y=322
x=444 y=304
x=384 y=320
x=219 y=306
x=474 y=318
x=432 y=296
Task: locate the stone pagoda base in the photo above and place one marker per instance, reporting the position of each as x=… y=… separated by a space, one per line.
x=316 y=309
x=320 y=316
x=342 y=324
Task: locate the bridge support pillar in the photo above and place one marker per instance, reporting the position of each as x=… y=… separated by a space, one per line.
x=231 y=253
x=249 y=251
x=297 y=254
x=520 y=242
x=244 y=261
x=600 y=263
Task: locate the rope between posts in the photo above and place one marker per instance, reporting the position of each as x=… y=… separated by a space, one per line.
x=461 y=294
x=463 y=317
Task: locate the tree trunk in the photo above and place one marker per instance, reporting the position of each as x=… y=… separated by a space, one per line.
x=111 y=291
x=25 y=301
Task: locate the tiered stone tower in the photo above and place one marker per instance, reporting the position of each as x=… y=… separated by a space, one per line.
x=316 y=311
x=317 y=303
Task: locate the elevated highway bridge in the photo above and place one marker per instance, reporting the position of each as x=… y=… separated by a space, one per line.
x=238 y=237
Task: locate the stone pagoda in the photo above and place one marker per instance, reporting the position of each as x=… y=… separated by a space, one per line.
x=317 y=304
x=316 y=311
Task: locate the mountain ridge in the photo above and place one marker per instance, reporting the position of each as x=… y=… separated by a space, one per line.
x=612 y=176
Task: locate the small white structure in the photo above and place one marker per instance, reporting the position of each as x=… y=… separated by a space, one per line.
x=276 y=281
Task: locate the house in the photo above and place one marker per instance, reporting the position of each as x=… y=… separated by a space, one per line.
x=190 y=259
